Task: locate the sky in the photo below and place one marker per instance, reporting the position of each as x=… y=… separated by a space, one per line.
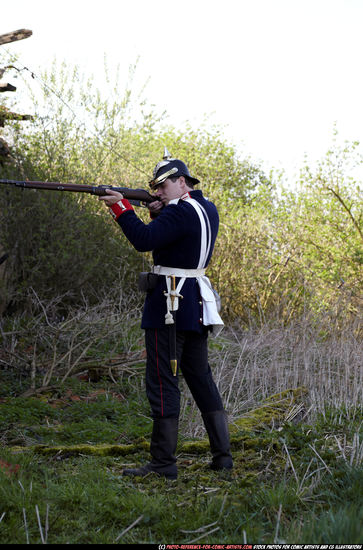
x=277 y=75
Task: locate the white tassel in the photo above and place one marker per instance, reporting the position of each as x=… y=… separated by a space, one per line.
x=169 y=319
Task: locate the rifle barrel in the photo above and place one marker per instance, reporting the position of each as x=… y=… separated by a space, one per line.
x=136 y=196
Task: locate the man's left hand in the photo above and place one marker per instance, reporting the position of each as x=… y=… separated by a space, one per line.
x=111 y=198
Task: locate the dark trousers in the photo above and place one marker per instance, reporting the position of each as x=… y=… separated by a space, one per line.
x=162 y=387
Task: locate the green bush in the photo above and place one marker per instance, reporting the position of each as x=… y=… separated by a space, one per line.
x=280 y=253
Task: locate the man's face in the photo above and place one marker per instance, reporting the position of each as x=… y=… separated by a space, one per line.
x=169 y=190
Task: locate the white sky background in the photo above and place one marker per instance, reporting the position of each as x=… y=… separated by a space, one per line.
x=277 y=74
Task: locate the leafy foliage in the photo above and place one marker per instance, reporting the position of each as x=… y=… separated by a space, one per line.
x=280 y=253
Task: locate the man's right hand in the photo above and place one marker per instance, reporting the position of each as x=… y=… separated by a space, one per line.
x=155 y=208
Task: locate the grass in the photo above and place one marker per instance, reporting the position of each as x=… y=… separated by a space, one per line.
x=291 y=483
x=298 y=453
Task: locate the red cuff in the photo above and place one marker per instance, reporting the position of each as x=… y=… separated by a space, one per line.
x=119 y=208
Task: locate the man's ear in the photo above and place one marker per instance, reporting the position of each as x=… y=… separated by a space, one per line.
x=183 y=183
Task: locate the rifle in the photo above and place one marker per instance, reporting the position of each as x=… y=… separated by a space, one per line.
x=135 y=196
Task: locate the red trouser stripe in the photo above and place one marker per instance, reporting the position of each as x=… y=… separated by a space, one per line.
x=157 y=367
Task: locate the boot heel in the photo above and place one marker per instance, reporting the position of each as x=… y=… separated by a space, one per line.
x=163 y=444
x=217 y=429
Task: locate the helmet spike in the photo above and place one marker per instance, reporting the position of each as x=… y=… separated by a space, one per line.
x=167 y=155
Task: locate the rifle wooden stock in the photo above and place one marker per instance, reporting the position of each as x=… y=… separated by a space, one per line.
x=135 y=196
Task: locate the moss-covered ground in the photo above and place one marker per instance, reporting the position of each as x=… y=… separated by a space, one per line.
x=62 y=453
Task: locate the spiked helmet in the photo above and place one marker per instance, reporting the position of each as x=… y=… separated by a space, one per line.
x=169 y=168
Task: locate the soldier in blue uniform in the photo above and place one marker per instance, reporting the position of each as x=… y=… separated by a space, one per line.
x=180 y=310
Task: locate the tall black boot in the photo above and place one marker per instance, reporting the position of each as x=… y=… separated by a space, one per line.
x=163 y=443
x=217 y=428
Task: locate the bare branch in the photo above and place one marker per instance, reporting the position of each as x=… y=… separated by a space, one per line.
x=14 y=36
x=347 y=209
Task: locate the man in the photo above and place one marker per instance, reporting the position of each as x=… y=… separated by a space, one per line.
x=179 y=311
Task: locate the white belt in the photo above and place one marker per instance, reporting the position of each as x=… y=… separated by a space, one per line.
x=177 y=271
x=210 y=313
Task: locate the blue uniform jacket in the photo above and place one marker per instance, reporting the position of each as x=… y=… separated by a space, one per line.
x=174 y=238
